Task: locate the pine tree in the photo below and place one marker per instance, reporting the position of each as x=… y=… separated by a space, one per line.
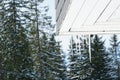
x=39 y=37
x=73 y=58
x=27 y=50
x=100 y=60
x=52 y=60
x=114 y=51
x=85 y=61
x=41 y=43
x=2 y=43
x=18 y=63
x=58 y=59
x=79 y=65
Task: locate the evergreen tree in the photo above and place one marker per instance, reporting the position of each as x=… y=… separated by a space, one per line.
x=114 y=51
x=58 y=61
x=73 y=59
x=100 y=68
x=28 y=49
x=79 y=65
x=40 y=33
x=2 y=43
x=18 y=63
x=43 y=45
x=52 y=60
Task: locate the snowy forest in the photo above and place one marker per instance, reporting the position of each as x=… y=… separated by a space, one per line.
x=29 y=50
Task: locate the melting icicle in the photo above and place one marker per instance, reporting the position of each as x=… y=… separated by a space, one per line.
x=89 y=48
x=79 y=46
x=71 y=43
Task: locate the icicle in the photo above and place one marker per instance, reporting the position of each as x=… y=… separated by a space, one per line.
x=71 y=43
x=79 y=46
x=76 y=43
x=83 y=41
x=89 y=48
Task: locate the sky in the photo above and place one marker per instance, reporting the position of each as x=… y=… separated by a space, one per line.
x=51 y=5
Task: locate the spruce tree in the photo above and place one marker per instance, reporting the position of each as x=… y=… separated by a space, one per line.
x=18 y=63
x=52 y=60
x=79 y=65
x=73 y=58
x=43 y=45
x=2 y=43
x=114 y=51
x=58 y=60
x=27 y=50
x=100 y=68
